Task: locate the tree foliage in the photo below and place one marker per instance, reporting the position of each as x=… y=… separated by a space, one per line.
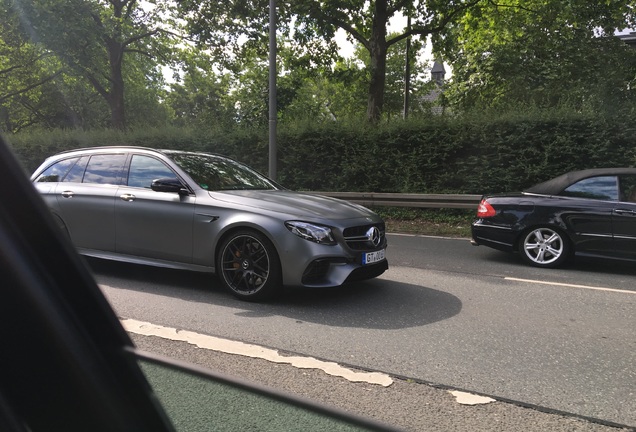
x=198 y=96
x=96 y=63
x=367 y=22
x=220 y=24
x=95 y=39
x=540 y=53
x=26 y=74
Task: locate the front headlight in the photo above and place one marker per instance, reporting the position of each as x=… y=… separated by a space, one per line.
x=316 y=233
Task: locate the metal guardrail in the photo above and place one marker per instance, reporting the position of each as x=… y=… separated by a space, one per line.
x=373 y=199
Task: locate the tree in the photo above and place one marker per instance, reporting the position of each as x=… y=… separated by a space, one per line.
x=331 y=94
x=540 y=53
x=395 y=79
x=227 y=23
x=93 y=38
x=298 y=88
x=24 y=71
x=366 y=22
x=200 y=95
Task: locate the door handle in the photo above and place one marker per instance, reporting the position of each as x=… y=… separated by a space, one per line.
x=68 y=194
x=127 y=197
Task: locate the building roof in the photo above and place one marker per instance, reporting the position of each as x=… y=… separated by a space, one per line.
x=628 y=38
x=438 y=67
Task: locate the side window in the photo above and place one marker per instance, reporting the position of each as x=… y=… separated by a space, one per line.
x=57 y=171
x=628 y=188
x=105 y=169
x=76 y=174
x=600 y=188
x=144 y=169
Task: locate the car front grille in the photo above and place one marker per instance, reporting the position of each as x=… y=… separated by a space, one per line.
x=361 y=237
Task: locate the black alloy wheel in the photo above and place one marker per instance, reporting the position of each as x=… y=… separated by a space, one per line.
x=249 y=267
x=544 y=247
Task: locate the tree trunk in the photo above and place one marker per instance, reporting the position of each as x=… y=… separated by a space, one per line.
x=377 y=51
x=116 y=59
x=116 y=100
x=376 y=86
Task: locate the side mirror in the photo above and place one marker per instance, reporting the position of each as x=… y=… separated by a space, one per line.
x=168 y=185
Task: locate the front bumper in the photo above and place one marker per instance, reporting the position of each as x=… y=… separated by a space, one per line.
x=307 y=264
x=327 y=272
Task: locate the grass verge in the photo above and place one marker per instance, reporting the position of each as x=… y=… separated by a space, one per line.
x=434 y=222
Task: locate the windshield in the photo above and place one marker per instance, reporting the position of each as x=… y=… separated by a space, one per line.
x=217 y=173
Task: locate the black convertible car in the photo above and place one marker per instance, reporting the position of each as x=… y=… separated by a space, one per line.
x=584 y=213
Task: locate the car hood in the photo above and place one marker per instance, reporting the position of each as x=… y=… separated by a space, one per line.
x=297 y=204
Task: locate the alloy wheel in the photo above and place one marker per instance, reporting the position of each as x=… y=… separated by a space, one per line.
x=248 y=265
x=544 y=247
x=245 y=264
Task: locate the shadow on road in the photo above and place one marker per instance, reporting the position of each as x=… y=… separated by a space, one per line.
x=374 y=304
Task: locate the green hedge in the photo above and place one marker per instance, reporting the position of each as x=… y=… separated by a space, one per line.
x=441 y=155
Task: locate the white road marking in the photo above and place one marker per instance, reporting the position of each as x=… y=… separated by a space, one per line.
x=254 y=351
x=464 y=398
x=571 y=285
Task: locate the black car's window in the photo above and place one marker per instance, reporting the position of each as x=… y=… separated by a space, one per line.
x=217 y=173
x=144 y=169
x=628 y=188
x=76 y=174
x=57 y=171
x=600 y=188
x=105 y=169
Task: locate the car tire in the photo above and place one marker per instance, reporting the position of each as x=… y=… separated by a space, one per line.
x=248 y=266
x=544 y=247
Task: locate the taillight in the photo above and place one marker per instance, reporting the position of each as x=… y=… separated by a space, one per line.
x=485 y=210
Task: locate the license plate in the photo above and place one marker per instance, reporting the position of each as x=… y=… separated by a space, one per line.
x=373 y=257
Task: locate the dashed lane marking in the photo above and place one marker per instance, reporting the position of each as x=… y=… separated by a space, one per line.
x=571 y=285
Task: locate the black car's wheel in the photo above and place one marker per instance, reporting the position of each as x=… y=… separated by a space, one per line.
x=544 y=247
x=248 y=266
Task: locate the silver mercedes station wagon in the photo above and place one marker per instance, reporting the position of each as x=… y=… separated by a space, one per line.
x=206 y=212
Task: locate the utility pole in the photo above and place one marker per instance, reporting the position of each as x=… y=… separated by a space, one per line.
x=407 y=72
x=272 y=90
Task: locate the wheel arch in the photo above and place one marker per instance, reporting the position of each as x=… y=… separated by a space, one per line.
x=229 y=230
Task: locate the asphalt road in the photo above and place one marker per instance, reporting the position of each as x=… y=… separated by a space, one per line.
x=446 y=314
